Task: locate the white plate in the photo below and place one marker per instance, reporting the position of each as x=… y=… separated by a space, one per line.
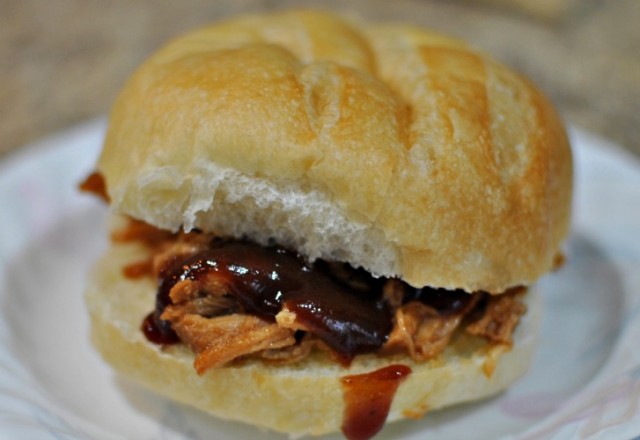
x=584 y=383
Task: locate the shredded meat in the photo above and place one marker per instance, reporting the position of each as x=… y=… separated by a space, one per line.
x=138 y=269
x=182 y=246
x=207 y=321
x=291 y=353
x=420 y=331
x=288 y=319
x=141 y=232
x=217 y=341
x=501 y=316
x=193 y=302
x=423 y=332
x=210 y=285
x=214 y=325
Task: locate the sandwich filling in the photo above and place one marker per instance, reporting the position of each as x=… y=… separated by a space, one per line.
x=230 y=300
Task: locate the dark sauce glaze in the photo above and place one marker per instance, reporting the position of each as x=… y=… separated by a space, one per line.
x=265 y=280
x=446 y=302
x=368 y=398
x=342 y=306
x=156 y=334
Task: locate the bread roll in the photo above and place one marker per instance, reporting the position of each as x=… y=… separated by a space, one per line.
x=394 y=148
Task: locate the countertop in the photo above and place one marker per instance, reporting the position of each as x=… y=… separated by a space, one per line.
x=63 y=61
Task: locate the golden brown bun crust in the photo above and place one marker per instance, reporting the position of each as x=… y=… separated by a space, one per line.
x=394 y=148
x=304 y=398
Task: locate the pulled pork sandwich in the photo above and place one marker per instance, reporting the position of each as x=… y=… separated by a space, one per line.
x=324 y=224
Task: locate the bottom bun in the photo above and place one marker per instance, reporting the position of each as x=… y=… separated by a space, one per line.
x=302 y=398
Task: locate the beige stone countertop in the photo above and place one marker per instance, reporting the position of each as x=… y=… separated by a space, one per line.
x=63 y=61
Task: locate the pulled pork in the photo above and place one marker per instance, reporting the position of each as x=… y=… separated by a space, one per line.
x=500 y=318
x=422 y=331
x=222 y=339
x=220 y=329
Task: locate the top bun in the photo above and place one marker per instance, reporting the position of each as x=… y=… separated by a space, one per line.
x=393 y=148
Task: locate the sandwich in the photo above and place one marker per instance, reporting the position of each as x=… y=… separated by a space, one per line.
x=321 y=224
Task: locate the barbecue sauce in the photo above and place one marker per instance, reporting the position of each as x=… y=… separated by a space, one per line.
x=265 y=280
x=157 y=334
x=368 y=398
x=342 y=306
x=94 y=183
